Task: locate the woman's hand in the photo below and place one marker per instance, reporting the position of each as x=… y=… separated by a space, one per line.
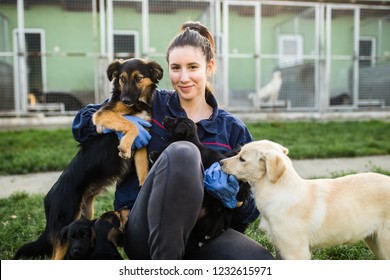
x=222 y=186
x=143 y=137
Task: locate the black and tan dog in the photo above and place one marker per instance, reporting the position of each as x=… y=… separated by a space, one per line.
x=214 y=217
x=96 y=239
x=97 y=164
x=107 y=235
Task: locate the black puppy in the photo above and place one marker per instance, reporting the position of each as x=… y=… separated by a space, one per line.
x=107 y=233
x=78 y=235
x=214 y=217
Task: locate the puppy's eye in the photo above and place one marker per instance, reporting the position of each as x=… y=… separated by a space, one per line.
x=241 y=159
x=138 y=79
x=123 y=80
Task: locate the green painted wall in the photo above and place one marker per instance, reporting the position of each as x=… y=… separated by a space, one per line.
x=63 y=32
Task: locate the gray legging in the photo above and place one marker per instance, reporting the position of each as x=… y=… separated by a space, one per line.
x=167 y=208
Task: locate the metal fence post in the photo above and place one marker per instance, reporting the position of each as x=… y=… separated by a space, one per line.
x=21 y=72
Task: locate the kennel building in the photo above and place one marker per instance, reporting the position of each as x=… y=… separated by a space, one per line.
x=284 y=56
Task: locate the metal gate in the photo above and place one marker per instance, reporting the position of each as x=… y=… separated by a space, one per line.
x=241 y=52
x=271 y=59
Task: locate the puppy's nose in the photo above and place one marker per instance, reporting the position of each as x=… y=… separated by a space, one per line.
x=126 y=100
x=76 y=251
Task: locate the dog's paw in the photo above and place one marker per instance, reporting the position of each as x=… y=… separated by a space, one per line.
x=124 y=153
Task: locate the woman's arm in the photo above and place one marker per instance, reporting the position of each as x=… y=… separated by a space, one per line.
x=83 y=128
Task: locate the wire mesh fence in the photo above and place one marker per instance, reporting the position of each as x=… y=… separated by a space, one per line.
x=271 y=55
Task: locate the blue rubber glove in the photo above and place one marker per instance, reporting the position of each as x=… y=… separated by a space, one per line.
x=221 y=185
x=143 y=137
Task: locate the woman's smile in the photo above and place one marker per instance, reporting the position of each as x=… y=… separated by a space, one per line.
x=185 y=88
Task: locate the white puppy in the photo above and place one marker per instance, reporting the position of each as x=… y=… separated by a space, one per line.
x=299 y=214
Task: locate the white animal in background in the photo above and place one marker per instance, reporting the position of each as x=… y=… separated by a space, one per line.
x=299 y=215
x=268 y=93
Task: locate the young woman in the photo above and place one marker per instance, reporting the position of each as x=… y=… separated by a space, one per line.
x=167 y=207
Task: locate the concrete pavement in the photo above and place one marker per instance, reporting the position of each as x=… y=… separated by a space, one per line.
x=316 y=168
x=42 y=182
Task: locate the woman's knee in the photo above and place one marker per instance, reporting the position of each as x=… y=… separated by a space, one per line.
x=179 y=166
x=184 y=153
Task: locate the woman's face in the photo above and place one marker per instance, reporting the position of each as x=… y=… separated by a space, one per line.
x=188 y=71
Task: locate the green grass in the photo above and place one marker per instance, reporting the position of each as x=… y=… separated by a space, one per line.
x=30 y=151
x=22 y=216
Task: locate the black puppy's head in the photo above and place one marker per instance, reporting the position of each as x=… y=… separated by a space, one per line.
x=181 y=128
x=79 y=236
x=134 y=79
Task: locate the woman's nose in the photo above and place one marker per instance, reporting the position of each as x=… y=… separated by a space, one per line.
x=184 y=76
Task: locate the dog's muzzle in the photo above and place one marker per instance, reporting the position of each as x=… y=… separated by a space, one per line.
x=128 y=101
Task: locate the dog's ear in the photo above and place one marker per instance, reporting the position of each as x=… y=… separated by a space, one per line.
x=274 y=165
x=124 y=216
x=93 y=233
x=113 y=69
x=116 y=236
x=284 y=150
x=64 y=234
x=156 y=72
x=183 y=131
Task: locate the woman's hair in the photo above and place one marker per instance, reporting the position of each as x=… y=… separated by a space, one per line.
x=196 y=35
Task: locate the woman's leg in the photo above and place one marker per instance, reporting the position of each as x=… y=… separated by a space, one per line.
x=230 y=245
x=167 y=206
